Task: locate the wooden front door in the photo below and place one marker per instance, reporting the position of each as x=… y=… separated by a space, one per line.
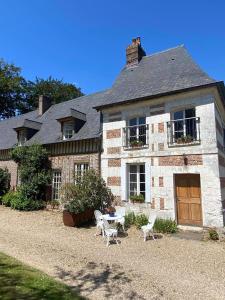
x=188 y=198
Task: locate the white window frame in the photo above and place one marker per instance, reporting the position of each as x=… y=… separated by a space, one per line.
x=138 y=191
x=68 y=130
x=138 y=134
x=183 y=120
x=80 y=168
x=56 y=184
x=22 y=137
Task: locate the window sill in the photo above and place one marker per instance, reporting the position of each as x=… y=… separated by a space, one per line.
x=135 y=148
x=184 y=144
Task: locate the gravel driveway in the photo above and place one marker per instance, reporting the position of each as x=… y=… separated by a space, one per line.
x=168 y=268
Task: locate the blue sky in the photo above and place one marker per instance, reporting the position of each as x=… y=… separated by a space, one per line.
x=84 y=42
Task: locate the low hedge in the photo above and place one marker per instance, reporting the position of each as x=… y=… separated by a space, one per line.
x=165 y=226
x=160 y=226
x=8 y=197
x=15 y=200
x=141 y=220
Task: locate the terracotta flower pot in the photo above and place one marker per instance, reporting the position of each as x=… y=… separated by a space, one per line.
x=72 y=219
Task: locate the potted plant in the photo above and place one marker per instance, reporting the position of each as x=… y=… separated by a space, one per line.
x=110 y=210
x=137 y=198
x=136 y=144
x=184 y=139
x=81 y=199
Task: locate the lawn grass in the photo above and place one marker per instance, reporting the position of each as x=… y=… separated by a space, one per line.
x=20 y=282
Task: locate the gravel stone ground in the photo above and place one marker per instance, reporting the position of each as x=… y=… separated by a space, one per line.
x=168 y=268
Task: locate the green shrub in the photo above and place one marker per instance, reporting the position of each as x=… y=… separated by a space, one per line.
x=33 y=168
x=213 y=234
x=19 y=203
x=89 y=191
x=54 y=204
x=137 y=198
x=7 y=198
x=141 y=220
x=129 y=219
x=4 y=181
x=15 y=200
x=165 y=226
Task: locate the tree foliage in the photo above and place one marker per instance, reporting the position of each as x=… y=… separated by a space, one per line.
x=34 y=172
x=18 y=95
x=4 y=181
x=55 y=89
x=12 y=84
x=89 y=191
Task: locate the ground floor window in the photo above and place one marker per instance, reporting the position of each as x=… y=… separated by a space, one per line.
x=56 y=184
x=80 y=169
x=136 y=175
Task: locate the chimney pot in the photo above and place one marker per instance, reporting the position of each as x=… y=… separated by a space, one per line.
x=43 y=104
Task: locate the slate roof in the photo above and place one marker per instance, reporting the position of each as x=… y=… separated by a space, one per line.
x=50 y=131
x=164 y=72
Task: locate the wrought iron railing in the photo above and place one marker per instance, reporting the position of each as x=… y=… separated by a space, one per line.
x=183 y=131
x=136 y=136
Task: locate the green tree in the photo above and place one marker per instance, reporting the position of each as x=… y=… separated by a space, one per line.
x=4 y=181
x=18 y=95
x=34 y=174
x=12 y=97
x=56 y=89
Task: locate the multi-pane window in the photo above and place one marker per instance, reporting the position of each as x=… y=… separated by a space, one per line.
x=136 y=180
x=22 y=137
x=80 y=169
x=68 y=130
x=184 y=125
x=56 y=184
x=137 y=130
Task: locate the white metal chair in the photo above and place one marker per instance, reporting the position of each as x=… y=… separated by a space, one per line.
x=99 y=222
x=120 y=210
x=148 y=229
x=110 y=232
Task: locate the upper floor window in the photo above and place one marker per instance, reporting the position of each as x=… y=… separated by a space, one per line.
x=68 y=130
x=136 y=133
x=22 y=137
x=184 y=127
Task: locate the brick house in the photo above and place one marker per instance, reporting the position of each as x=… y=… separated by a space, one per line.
x=158 y=131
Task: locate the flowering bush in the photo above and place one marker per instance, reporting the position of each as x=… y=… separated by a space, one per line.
x=89 y=191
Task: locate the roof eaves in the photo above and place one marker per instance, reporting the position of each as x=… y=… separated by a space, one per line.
x=128 y=101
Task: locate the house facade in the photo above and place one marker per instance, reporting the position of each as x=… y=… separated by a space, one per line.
x=157 y=132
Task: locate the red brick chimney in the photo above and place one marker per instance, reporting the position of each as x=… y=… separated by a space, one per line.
x=134 y=52
x=43 y=104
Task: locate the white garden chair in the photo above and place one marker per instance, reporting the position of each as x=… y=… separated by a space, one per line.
x=99 y=222
x=110 y=232
x=120 y=210
x=148 y=229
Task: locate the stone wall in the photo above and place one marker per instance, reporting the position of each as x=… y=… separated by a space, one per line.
x=161 y=160
x=12 y=168
x=63 y=162
x=66 y=163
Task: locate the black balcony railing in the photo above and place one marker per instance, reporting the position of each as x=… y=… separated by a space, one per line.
x=135 y=136
x=183 y=131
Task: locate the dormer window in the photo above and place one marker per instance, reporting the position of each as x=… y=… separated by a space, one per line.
x=22 y=137
x=71 y=122
x=26 y=129
x=68 y=130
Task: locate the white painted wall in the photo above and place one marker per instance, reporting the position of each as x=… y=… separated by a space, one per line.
x=209 y=171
